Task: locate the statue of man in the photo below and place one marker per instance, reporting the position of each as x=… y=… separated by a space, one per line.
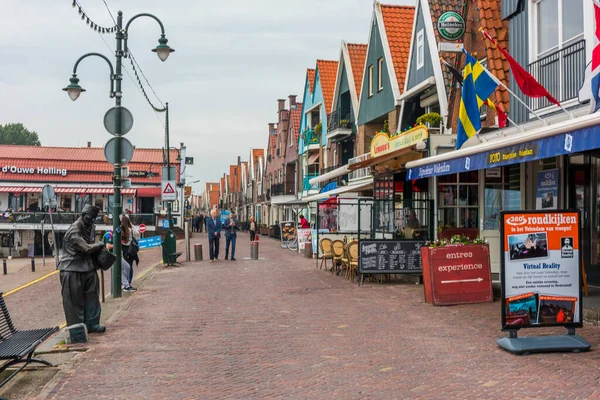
x=78 y=277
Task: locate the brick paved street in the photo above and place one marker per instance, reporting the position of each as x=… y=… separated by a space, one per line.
x=279 y=328
x=41 y=304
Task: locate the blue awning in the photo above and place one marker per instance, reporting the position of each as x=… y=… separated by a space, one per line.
x=561 y=144
x=330 y=186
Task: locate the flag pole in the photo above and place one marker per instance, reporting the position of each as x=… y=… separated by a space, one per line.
x=487 y=36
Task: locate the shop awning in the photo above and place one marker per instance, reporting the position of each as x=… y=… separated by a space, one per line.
x=561 y=138
x=99 y=190
x=344 y=189
x=149 y=192
x=11 y=189
x=69 y=190
x=296 y=202
x=329 y=187
x=405 y=154
x=32 y=190
x=329 y=175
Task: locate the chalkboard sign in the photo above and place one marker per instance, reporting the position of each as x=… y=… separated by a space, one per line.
x=390 y=256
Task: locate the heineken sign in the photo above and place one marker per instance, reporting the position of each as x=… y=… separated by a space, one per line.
x=451 y=25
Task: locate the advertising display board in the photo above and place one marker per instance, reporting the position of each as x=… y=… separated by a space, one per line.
x=541 y=269
x=303 y=238
x=546 y=192
x=390 y=256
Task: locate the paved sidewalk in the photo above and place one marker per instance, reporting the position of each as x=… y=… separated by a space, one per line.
x=279 y=328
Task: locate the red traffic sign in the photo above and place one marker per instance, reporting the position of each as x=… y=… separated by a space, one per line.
x=142 y=228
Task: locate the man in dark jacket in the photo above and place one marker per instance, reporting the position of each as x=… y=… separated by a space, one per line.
x=230 y=227
x=78 y=276
x=200 y=223
x=213 y=227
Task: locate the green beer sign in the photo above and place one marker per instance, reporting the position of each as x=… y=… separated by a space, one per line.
x=451 y=25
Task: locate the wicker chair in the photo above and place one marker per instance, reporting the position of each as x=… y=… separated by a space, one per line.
x=352 y=259
x=338 y=254
x=326 y=251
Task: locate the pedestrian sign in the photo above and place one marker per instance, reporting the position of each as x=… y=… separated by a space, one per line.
x=168 y=191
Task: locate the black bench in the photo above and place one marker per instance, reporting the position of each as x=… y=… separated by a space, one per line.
x=18 y=346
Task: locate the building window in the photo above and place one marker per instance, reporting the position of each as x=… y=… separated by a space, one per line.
x=380 y=74
x=66 y=202
x=458 y=200
x=370 y=80
x=111 y=203
x=15 y=203
x=81 y=200
x=502 y=192
x=420 y=49
x=175 y=206
x=566 y=28
x=99 y=202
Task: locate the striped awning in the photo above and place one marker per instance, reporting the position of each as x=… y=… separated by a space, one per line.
x=11 y=189
x=69 y=190
x=32 y=189
x=99 y=190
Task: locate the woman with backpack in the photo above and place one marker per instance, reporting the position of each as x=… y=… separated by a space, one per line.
x=129 y=236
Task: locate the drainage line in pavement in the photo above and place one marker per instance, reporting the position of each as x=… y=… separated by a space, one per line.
x=30 y=283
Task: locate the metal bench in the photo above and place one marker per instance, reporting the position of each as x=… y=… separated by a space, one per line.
x=18 y=346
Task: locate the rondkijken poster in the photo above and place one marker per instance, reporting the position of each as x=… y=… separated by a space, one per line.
x=541 y=269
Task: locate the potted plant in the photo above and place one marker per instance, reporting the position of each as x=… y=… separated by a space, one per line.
x=457 y=271
x=432 y=119
x=318 y=129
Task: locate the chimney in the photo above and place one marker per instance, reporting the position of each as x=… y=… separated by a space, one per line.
x=292 y=101
x=280 y=104
x=271 y=127
x=89 y=144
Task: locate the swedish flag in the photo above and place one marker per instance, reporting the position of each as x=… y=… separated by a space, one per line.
x=478 y=85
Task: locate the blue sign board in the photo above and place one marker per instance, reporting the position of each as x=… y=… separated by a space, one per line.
x=546 y=192
x=562 y=144
x=149 y=242
x=165 y=223
x=224 y=215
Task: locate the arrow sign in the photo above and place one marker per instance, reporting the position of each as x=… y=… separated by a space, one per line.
x=464 y=280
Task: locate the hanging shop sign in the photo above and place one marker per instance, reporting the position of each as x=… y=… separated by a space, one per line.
x=546 y=197
x=562 y=144
x=11 y=169
x=382 y=144
x=451 y=25
x=541 y=269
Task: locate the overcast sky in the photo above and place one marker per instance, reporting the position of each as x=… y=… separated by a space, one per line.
x=233 y=60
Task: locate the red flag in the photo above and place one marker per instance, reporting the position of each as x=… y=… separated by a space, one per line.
x=502 y=117
x=528 y=84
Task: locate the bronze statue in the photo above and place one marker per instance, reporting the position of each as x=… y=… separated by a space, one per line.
x=78 y=277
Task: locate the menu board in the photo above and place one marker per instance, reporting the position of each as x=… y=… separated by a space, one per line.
x=390 y=256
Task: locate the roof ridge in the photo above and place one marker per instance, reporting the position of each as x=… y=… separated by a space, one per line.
x=396 y=5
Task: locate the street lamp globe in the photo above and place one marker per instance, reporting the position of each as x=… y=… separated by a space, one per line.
x=74 y=90
x=163 y=50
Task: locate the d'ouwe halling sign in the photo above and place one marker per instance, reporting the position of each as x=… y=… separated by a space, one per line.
x=11 y=169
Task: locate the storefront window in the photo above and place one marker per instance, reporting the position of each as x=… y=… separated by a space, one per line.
x=175 y=206
x=458 y=200
x=65 y=202
x=99 y=202
x=15 y=203
x=81 y=200
x=384 y=188
x=502 y=192
x=111 y=203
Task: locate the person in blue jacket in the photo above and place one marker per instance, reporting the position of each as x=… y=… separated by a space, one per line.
x=230 y=227
x=213 y=227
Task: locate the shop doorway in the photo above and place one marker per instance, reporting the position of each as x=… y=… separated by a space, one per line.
x=37 y=245
x=147 y=205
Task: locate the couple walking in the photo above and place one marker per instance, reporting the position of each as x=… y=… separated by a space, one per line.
x=214 y=227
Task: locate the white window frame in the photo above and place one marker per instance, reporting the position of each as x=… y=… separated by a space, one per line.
x=380 y=74
x=370 y=80
x=420 y=49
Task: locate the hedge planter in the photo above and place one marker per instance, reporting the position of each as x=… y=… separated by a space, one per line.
x=457 y=274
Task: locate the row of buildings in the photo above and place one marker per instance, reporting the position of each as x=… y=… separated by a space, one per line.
x=378 y=121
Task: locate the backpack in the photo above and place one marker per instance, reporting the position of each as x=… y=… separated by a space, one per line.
x=133 y=249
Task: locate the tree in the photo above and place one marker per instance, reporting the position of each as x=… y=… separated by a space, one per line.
x=18 y=134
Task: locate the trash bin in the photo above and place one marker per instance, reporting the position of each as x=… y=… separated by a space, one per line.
x=254 y=250
x=198 y=252
x=308 y=253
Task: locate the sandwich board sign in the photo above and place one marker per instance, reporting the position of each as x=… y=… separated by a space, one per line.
x=168 y=191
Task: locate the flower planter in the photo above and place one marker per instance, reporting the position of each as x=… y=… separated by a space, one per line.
x=457 y=274
x=263 y=230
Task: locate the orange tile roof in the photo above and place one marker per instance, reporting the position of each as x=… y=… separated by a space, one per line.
x=358 y=54
x=491 y=21
x=257 y=153
x=83 y=164
x=327 y=76
x=311 y=79
x=295 y=122
x=397 y=21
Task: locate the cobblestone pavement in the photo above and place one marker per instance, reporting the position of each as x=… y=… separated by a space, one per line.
x=279 y=328
x=40 y=304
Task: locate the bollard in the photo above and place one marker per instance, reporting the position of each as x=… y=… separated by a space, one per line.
x=254 y=250
x=4 y=267
x=198 y=252
x=32 y=264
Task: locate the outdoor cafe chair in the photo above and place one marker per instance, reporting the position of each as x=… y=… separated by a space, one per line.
x=353 y=259
x=338 y=254
x=326 y=251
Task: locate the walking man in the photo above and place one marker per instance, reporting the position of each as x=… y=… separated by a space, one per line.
x=200 y=223
x=231 y=228
x=213 y=227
